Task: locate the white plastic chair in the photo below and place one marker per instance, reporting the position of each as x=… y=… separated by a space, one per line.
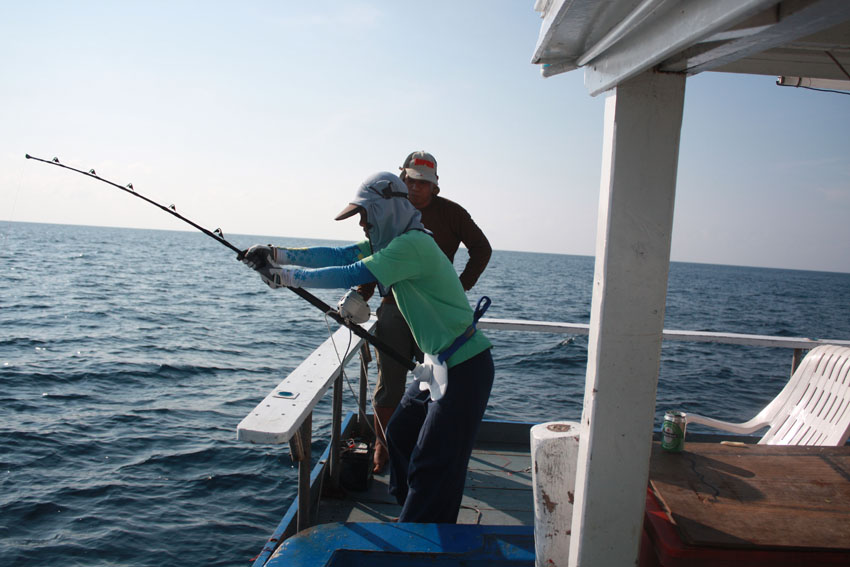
x=812 y=409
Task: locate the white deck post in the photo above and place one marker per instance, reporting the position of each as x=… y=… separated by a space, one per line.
x=640 y=154
x=554 y=455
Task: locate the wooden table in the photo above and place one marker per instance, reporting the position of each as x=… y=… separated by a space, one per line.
x=754 y=497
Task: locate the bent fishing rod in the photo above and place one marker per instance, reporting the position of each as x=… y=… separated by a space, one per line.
x=218 y=236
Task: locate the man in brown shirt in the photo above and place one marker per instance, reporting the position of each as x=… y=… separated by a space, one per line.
x=451 y=225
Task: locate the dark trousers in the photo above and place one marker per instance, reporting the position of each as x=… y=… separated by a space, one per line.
x=430 y=442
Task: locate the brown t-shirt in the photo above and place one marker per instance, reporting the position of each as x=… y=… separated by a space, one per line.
x=451 y=226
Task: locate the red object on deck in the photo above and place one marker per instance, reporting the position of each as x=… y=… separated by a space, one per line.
x=662 y=537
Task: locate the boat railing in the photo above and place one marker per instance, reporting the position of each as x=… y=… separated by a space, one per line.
x=286 y=414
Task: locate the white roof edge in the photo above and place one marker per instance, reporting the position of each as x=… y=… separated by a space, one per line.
x=620 y=39
x=652 y=41
x=551 y=11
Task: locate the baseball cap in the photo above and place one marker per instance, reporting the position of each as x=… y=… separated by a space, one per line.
x=421 y=165
x=379 y=186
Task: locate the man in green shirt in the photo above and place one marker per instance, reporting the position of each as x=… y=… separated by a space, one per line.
x=429 y=436
x=451 y=225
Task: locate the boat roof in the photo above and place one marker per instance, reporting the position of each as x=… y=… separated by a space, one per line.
x=644 y=50
x=795 y=40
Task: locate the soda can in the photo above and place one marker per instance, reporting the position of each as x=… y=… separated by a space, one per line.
x=673 y=431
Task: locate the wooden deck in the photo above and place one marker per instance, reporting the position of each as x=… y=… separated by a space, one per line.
x=498 y=486
x=756 y=496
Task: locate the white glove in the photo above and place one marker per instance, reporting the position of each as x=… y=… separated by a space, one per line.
x=432 y=375
x=279 y=277
x=353 y=307
x=258 y=256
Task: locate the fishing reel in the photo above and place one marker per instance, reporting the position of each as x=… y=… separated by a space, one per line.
x=353 y=308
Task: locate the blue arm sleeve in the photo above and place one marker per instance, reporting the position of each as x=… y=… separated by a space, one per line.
x=322 y=256
x=336 y=276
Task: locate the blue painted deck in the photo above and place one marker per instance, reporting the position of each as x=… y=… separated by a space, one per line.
x=372 y=544
x=495 y=523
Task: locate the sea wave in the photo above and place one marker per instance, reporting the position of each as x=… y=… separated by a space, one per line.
x=122 y=388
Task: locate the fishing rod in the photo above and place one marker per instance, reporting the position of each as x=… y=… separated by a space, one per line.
x=172 y=210
x=218 y=236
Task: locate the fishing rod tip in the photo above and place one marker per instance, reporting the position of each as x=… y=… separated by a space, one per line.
x=27 y=156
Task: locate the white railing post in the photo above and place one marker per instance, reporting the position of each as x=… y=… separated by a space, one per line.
x=302 y=454
x=336 y=429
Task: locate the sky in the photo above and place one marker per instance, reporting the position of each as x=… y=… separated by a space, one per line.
x=262 y=118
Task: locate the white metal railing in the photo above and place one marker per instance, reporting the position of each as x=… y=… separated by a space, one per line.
x=667 y=335
x=286 y=414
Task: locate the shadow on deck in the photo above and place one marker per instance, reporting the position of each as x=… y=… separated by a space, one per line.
x=498 y=485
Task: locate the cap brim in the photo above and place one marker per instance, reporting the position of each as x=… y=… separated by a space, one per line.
x=416 y=174
x=348 y=211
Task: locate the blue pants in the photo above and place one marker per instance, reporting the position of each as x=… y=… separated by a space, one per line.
x=430 y=442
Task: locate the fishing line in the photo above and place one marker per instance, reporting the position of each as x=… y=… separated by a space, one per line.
x=345 y=376
x=218 y=236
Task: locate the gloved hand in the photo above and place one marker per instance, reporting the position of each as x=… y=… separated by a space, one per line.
x=258 y=256
x=367 y=290
x=280 y=276
x=261 y=254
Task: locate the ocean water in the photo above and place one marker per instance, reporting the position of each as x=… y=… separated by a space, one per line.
x=128 y=357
